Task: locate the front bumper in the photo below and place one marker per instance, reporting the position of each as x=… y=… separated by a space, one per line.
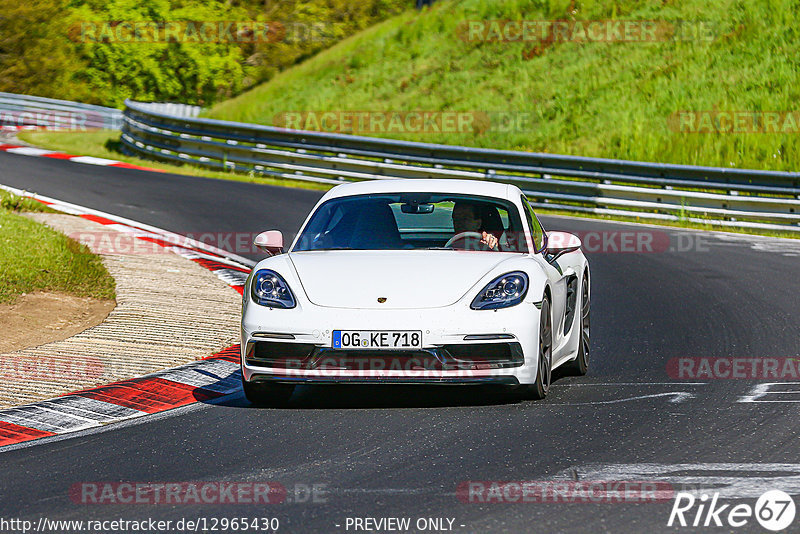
x=295 y=346
x=396 y=380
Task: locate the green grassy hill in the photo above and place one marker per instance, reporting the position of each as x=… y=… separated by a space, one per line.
x=606 y=99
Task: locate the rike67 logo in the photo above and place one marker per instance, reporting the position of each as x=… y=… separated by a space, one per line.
x=774 y=510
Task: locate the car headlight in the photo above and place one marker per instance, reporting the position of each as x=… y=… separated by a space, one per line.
x=502 y=292
x=270 y=289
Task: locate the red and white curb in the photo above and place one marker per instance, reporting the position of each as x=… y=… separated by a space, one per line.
x=33 y=151
x=207 y=379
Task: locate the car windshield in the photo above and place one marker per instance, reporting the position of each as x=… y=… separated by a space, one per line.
x=407 y=221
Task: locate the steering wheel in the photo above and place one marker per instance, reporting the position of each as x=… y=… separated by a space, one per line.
x=463 y=236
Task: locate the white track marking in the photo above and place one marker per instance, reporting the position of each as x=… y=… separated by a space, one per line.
x=90 y=408
x=731 y=480
x=40 y=418
x=231 y=276
x=760 y=391
x=93 y=161
x=212 y=375
x=785 y=247
x=29 y=151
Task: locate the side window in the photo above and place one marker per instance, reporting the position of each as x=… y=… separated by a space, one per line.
x=534 y=225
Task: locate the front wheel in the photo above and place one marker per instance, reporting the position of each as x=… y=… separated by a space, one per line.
x=544 y=371
x=267 y=393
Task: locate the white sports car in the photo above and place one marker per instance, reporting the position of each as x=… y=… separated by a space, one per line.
x=416 y=281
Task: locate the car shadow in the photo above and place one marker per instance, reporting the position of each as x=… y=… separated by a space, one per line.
x=379 y=396
x=227 y=391
x=347 y=396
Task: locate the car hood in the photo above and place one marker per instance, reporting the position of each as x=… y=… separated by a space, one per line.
x=406 y=279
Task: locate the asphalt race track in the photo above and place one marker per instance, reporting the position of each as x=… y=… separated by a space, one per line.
x=403 y=452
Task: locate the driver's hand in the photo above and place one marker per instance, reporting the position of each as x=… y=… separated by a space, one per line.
x=489 y=240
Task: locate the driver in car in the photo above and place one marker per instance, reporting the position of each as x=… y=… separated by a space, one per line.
x=467 y=218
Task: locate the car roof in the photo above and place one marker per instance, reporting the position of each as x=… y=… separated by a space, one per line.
x=425 y=185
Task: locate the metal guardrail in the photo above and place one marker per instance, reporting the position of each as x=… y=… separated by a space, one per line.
x=727 y=197
x=32 y=112
x=172 y=109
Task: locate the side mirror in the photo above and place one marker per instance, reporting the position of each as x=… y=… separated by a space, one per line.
x=270 y=241
x=559 y=243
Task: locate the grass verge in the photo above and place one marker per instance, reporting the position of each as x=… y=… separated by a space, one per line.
x=11 y=202
x=34 y=257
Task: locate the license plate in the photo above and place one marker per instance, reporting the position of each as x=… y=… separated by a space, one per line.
x=377 y=339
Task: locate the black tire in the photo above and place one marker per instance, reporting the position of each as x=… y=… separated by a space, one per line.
x=544 y=374
x=580 y=365
x=267 y=393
